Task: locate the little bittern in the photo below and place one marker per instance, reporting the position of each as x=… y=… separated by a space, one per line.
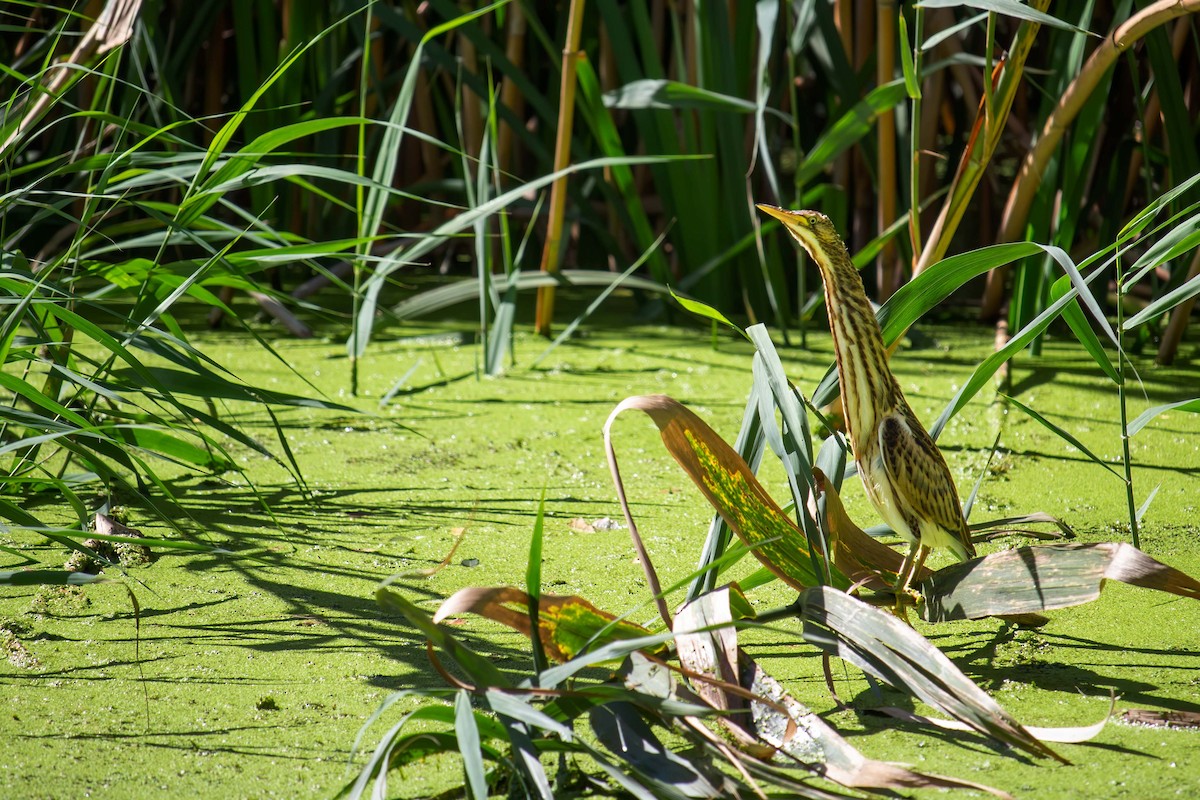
x=902 y=469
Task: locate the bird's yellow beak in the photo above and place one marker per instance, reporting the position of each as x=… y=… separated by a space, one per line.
x=791 y=219
x=798 y=224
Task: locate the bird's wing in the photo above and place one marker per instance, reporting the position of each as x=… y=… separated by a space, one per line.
x=920 y=478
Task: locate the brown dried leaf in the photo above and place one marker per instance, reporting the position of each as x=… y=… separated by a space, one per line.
x=862 y=557
x=730 y=486
x=567 y=624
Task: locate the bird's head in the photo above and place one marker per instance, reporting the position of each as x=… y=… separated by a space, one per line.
x=812 y=229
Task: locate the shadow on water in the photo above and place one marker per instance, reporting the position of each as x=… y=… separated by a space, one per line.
x=1012 y=655
x=321 y=580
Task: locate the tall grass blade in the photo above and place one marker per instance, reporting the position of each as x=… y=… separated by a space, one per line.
x=467 y=734
x=1062 y=433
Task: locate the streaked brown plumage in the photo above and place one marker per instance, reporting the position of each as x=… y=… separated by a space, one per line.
x=903 y=471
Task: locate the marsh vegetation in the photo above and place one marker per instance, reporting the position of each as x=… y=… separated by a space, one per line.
x=319 y=328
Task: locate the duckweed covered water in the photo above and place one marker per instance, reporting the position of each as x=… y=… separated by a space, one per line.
x=252 y=674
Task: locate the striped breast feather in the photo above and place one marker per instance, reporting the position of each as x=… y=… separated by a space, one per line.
x=919 y=475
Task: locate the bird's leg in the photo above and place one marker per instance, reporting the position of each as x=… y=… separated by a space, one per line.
x=902 y=577
x=920 y=563
x=912 y=564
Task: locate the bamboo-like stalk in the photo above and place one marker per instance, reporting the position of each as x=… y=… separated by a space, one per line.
x=544 y=315
x=979 y=152
x=887 y=267
x=1029 y=176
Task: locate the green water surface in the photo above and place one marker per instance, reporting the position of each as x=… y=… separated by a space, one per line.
x=251 y=676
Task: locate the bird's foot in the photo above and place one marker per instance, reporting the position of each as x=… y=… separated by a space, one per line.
x=905 y=599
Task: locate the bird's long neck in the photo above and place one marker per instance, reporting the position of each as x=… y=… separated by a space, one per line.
x=867 y=384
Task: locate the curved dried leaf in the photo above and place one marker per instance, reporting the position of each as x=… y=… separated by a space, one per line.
x=567 y=625
x=1032 y=579
x=805 y=736
x=723 y=477
x=862 y=557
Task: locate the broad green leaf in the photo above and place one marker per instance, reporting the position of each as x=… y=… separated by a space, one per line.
x=732 y=489
x=1085 y=297
x=1183 y=237
x=935 y=39
x=533 y=580
x=467 y=732
x=987 y=368
x=1164 y=304
x=174 y=381
x=168 y=444
x=922 y=293
x=1140 y=220
x=704 y=310
x=1144 y=418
